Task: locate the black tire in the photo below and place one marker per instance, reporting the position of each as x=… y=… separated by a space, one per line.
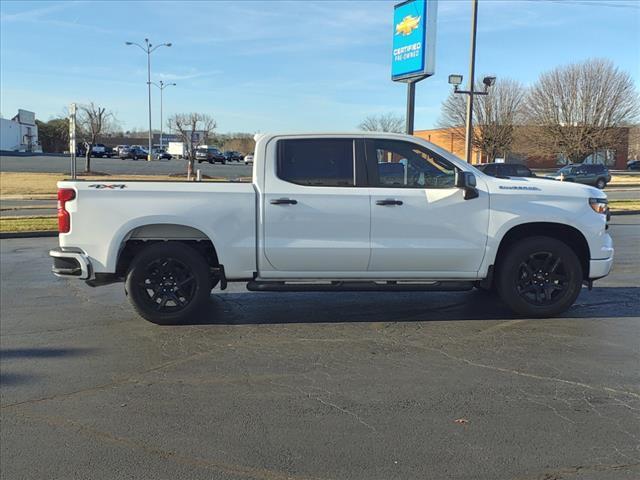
x=168 y=282
x=211 y=162
x=539 y=277
x=601 y=183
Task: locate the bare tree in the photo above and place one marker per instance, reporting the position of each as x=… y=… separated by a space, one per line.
x=578 y=109
x=496 y=116
x=92 y=121
x=386 y=122
x=187 y=125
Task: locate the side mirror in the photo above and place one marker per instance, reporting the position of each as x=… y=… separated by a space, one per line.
x=467 y=181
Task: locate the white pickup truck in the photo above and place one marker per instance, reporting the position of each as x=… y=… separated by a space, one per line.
x=337 y=212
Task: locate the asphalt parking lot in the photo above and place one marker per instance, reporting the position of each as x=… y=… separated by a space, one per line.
x=318 y=386
x=115 y=166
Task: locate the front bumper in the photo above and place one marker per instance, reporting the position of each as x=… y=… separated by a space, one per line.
x=600 y=268
x=71 y=262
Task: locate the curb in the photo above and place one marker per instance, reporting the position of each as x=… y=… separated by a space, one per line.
x=39 y=234
x=626 y=212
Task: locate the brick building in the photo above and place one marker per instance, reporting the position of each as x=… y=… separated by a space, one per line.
x=616 y=158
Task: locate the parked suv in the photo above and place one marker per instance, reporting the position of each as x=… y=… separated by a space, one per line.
x=505 y=170
x=118 y=148
x=596 y=175
x=135 y=152
x=210 y=154
x=233 y=156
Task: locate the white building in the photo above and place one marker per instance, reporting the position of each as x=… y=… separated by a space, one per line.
x=20 y=134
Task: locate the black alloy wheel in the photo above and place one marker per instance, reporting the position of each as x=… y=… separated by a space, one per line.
x=167 y=285
x=168 y=282
x=539 y=276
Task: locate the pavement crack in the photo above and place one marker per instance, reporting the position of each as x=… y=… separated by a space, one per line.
x=344 y=410
x=242 y=471
x=327 y=403
x=533 y=375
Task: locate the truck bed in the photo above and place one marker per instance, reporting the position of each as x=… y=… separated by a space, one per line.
x=107 y=213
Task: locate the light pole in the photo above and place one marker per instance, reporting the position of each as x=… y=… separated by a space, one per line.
x=162 y=86
x=456 y=80
x=148 y=49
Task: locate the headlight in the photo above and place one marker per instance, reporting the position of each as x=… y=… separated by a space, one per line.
x=599 y=205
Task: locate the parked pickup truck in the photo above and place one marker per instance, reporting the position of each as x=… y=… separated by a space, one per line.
x=365 y=212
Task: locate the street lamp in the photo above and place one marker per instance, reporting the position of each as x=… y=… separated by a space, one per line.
x=148 y=49
x=162 y=86
x=456 y=80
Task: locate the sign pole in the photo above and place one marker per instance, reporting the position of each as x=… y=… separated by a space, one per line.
x=411 y=103
x=72 y=139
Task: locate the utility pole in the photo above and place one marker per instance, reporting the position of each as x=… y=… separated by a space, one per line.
x=456 y=80
x=468 y=148
x=162 y=86
x=148 y=49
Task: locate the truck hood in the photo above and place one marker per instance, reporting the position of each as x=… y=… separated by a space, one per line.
x=541 y=187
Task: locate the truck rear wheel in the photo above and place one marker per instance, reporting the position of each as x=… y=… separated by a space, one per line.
x=539 y=277
x=168 y=282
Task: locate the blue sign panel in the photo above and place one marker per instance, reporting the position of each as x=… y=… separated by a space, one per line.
x=413 y=39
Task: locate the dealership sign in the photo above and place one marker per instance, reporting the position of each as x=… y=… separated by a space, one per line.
x=414 y=35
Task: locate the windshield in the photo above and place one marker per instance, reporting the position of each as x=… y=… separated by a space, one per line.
x=566 y=169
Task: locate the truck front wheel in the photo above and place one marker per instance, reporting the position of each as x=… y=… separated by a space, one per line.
x=539 y=277
x=168 y=282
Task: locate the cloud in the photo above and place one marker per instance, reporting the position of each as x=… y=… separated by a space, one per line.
x=33 y=14
x=193 y=73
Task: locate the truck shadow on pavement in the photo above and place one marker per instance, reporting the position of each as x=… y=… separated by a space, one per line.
x=282 y=308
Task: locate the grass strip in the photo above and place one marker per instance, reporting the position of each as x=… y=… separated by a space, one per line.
x=28 y=224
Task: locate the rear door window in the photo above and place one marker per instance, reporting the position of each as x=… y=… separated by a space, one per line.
x=323 y=162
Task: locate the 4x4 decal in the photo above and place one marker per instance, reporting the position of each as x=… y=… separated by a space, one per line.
x=112 y=186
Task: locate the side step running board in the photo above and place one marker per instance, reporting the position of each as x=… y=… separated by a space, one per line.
x=359 y=286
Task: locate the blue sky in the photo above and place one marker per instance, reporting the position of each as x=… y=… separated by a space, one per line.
x=284 y=66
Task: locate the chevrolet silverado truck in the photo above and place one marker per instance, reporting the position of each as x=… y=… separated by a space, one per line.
x=336 y=212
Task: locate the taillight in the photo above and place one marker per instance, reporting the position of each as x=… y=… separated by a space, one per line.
x=64 y=219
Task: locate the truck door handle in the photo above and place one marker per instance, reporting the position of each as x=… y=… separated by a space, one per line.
x=283 y=201
x=389 y=201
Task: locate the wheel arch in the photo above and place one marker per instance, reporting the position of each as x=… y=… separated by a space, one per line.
x=134 y=237
x=567 y=234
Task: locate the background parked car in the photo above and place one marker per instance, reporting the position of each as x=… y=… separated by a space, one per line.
x=210 y=154
x=99 y=150
x=595 y=175
x=233 y=156
x=117 y=149
x=248 y=159
x=505 y=170
x=161 y=154
x=635 y=165
x=135 y=152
